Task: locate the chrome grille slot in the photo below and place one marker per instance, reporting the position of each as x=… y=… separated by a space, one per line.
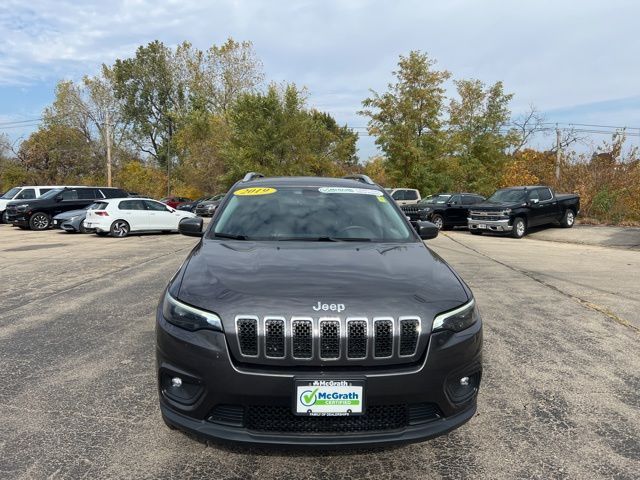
x=409 y=333
x=248 y=336
x=329 y=339
x=356 y=339
x=383 y=338
x=302 y=338
x=274 y=337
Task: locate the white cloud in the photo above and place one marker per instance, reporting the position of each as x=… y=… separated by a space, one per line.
x=553 y=54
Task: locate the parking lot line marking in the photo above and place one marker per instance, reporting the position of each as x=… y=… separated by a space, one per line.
x=590 y=305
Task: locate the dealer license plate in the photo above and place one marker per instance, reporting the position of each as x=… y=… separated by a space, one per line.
x=482 y=226
x=329 y=398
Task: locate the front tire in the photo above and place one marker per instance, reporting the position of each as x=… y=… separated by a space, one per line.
x=120 y=229
x=39 y=221
x=519 y=228
x=438 y=221
x=568 y=219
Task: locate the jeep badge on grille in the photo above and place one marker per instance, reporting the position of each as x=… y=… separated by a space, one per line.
x=334 y=307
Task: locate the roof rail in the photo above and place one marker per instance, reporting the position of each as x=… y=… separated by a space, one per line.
x=252 y=176
x=360 y=178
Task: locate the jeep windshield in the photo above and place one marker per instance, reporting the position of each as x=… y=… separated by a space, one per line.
x=311 y=214
x=508 y=196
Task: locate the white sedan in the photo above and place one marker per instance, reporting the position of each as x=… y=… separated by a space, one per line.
x=119 y=216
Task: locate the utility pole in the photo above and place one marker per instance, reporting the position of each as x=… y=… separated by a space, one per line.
x=107 y=135
x=168 y=169
x=558 y=152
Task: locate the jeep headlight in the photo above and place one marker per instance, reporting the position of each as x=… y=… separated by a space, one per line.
x=506 y=213
x=458 y=319
x=22 y=207
x=188 y=317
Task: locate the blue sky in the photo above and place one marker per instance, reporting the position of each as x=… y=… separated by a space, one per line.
x=576 y=61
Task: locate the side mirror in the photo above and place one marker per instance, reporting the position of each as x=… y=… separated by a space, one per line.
x=534 y=201
x=191 y=227
x=58 y=198
x=427 y=230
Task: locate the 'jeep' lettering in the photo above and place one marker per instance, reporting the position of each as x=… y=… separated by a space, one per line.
x=334 y=307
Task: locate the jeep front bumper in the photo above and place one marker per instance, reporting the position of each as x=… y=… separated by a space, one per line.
x=221 y=399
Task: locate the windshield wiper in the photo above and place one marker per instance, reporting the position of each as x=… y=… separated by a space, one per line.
x=229 y=235
x=320 y=239
x=344 y=239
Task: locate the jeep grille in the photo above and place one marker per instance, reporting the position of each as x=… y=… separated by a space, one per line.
x=326 y=339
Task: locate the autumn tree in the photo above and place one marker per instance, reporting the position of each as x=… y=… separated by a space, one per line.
x=90 y=107
x=57 y=154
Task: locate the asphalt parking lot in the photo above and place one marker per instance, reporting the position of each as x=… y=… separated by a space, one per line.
x=560 y=395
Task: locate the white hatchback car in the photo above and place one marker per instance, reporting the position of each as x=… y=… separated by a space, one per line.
x=119 y=216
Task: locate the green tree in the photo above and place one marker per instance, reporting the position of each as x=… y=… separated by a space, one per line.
x=477 y=135
x=154 y=97
x=407 y=121
x=276 y=134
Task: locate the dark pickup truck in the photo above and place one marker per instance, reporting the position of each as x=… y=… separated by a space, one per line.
x=513 y=210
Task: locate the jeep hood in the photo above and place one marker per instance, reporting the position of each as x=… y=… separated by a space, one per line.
x=289 y=278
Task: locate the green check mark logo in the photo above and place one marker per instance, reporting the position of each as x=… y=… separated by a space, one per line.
x=308 y=399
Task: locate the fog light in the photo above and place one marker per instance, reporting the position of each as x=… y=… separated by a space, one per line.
x=177 y=382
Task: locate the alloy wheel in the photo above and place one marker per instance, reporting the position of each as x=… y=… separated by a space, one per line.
x=40 y=221
x=120 y=229
x=570 y=218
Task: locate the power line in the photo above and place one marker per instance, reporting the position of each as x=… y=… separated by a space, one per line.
x=2 y=124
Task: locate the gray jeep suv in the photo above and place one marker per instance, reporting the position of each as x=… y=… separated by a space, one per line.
x=312 y=313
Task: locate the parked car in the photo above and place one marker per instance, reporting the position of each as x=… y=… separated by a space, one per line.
x=36 y=214
x=121 y=216
x=208 y=207
x=404 y=196
x=444 y=210
x=191 y=206
x=72 y=220
x=22 y=193
x=309 y=322
x=514 y=210
x=174 y=201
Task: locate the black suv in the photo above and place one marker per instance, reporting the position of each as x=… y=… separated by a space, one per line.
x=445 y=210
x=37 y=213
x=311 y=313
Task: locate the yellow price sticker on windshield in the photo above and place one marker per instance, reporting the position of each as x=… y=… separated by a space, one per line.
x=255 y=191
x=382 y=200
